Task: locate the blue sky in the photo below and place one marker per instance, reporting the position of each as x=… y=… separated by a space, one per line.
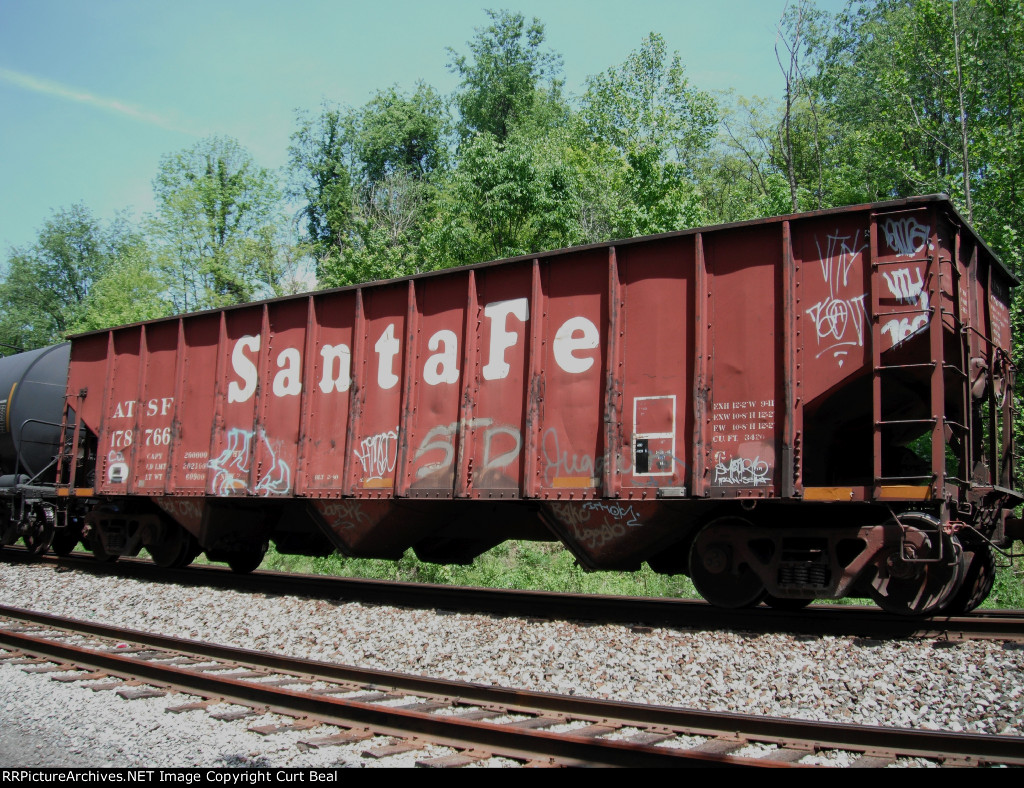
x=94 y=92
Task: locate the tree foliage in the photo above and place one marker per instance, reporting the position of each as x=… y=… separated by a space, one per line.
x=56 y=286
x=130 y=291
x=508 y=79
x=660 y=127
x=217 y=225
x=366 y=180
x=321 y=161
x=402 y=134
x=505 y=198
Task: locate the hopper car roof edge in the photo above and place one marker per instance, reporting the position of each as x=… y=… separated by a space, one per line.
x=619 y=243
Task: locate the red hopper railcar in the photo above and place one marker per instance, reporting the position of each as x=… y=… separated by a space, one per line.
x=809 y=406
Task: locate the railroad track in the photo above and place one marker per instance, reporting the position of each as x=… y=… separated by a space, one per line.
x=479 y=722
x=837 y=620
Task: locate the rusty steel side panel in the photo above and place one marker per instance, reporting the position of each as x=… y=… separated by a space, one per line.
x=432 y=413
x=744 y=279
x=115 y=471
x=378 y=371
x=997 y=309
x=280 y=403
x=573 y=333
x=656 y=444
x=242 y=351
x=194 y=388
x=87 y=378
x=490 y=459
x=328 y=393
x=155 y=409
x=834 y=302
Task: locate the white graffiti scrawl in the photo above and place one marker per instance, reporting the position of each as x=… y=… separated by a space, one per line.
x=741 y=470
x=231 y=467
x=840 y=318
x=903 y=285
x=378 y=454
x=908 y=288
x=501 y=446
x=906 y=236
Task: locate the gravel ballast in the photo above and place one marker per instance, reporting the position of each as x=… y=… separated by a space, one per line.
x=975 y=686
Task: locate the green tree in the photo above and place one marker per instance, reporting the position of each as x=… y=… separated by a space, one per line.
x=508 y=79
x=992 y=58
x=798 y=44
x=322 y=161
x=660 y=127
x=384 y=233
x=504 y=199
x=130 y=291
x=217 y=226
x=402 y=134
x=902 y=104
x=740 y=178
x=49 y=287
x=366 y=179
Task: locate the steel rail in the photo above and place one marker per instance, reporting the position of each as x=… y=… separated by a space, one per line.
x=836 y=620
x=961 y=748
x=477 y=736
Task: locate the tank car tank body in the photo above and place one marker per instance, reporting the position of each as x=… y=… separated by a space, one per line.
x=32 y=388
x=810 y=406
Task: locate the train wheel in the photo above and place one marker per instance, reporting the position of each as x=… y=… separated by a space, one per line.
x=978 y=580
x=243 y=562
x=66 y=539
x=193 y=552
x=93 y=542
x=40 y=530
x=176 y=550
x=785 y=603
x=716 y=573
x=923 y=585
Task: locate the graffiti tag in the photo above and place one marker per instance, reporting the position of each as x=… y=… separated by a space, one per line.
x=840 y=318
x=345 y=515
x=231 y=468
x=591 y=534
x=501 y=446
x=906 y=236
x=741 y=470
x=615 y=511
x=907 y=290
x=378 y=454
x=558 y=463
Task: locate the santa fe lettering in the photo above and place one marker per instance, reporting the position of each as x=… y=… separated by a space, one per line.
x=507 y=319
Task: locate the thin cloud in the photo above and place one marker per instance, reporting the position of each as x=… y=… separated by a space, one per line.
x=51 y=88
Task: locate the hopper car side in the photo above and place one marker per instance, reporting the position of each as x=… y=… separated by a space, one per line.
x=803 y=407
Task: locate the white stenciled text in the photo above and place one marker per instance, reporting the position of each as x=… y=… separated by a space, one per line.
x=573 y=348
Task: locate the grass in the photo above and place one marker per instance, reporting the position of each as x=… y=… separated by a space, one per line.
x=534 y=566
x=544 y=566
x=1008 y=591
